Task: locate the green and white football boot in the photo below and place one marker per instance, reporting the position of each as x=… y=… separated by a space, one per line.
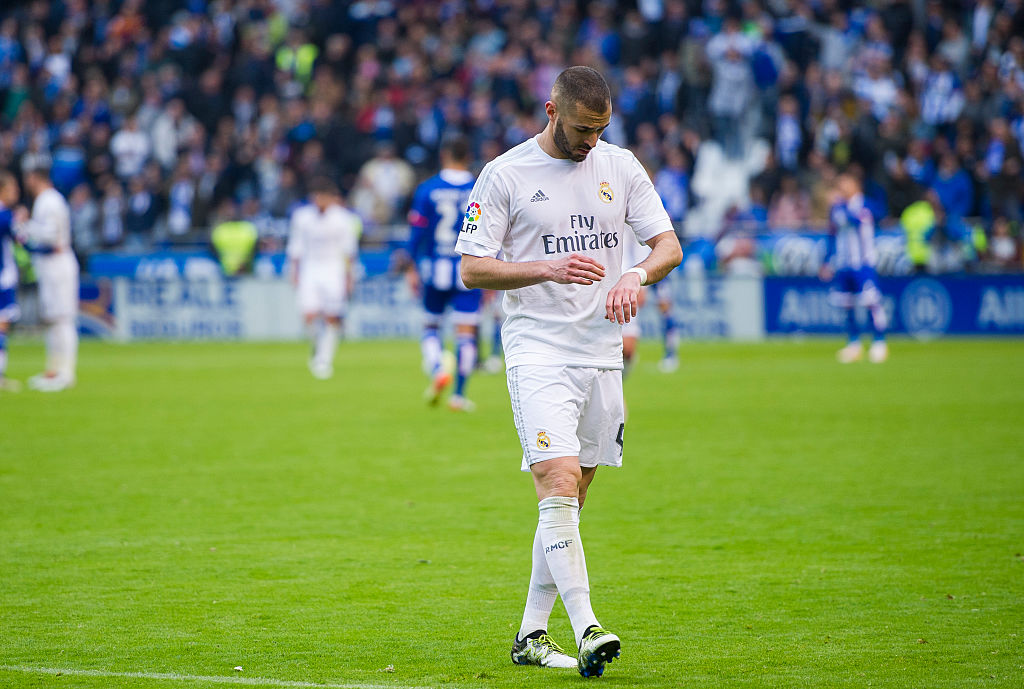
x=540 y=649
x=598 y=646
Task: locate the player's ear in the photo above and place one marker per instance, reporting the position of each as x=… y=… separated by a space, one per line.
x=551 y=110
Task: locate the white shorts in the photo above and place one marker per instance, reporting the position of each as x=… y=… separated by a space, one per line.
x=322 y=291
x=632 y=329
x=58 y=286
x=568 y=411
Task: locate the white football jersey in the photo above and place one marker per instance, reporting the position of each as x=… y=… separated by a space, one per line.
x=324 y=241
x=634 y=253
x=530 y=206
x=50 y=224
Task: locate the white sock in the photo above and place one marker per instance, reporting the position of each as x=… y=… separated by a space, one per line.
x=879 y=318
x=543 y=593
x=313 y=333
x=430 y=346
x=54 y=348
x=69 y=347
x=327 y=343
x=559 y=525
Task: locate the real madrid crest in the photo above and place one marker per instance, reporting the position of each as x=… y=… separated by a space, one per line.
x=543 y=442
x=605 y=192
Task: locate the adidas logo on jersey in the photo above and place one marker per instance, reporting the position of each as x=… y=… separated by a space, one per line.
x=539 y=196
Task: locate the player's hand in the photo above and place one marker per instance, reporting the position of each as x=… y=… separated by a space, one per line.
x=412 y=279
x=624 y=299
x=576 y=270
x=21 y=215
x=825 y=273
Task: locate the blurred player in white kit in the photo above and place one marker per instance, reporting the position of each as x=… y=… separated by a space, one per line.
x=323 y=244
x=46 y=233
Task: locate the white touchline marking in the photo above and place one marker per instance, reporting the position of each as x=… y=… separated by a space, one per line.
x=213 y=679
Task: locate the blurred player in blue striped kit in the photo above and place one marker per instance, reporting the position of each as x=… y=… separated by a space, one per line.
x=851 y=269
x=436 y=218
x=9 y=311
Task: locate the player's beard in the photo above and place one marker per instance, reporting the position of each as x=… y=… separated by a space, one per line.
x=562 y=143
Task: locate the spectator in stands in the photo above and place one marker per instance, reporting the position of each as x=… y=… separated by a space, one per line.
x=112 y=213
x=169 y=132
x=788 y=133
x=85 y=220
x=140 y=214
x=1004 y=248
x=180 y=196
x=953 y=187
x=732 y=90
x=672 y=183
x=131 y=148
x=254 y=95
x=384 y=185
x=69 y=161
x=790 y=207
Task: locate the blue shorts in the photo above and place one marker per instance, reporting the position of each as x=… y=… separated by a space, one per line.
x=465 y=303
x=855 y=286
x=9 y=311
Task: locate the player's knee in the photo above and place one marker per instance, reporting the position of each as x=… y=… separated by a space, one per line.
x=562 y=482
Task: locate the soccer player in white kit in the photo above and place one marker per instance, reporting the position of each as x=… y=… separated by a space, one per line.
x=557 y=207
x=323 y=244
x=47 y=236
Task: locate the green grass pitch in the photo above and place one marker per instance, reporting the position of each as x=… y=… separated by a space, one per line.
x=781 y=521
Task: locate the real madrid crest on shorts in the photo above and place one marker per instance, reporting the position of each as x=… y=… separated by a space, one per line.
x=605 y=192
x=543 y=442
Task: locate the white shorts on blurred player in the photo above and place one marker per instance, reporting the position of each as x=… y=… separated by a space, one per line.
x=321 y=290
x=58 y=286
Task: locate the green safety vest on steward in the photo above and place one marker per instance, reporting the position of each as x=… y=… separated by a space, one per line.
x=918 y=221
x=299 y=61
x=234 y=241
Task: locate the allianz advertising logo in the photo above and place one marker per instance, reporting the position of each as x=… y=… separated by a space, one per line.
x=926 y=308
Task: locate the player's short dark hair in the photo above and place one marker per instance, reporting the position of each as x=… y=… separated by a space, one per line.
x=39 y=169
x=322 y=185
x=581 y=86
x=457 y=146
x=854 y=172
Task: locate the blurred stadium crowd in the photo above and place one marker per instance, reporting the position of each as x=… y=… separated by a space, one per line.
x=160 y=119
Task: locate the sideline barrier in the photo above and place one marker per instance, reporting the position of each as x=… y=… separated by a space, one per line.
x=927 y=306
x=705 y=307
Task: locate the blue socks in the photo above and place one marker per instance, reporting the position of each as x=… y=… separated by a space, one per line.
x=465 y=347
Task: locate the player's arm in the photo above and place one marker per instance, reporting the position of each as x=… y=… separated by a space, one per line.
x=293 y=250
x=485 y=227
x=39 y=234
x=624 y=298
x=352 y=254
x=827 y=271
x=418 y=226
x=484 y=272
